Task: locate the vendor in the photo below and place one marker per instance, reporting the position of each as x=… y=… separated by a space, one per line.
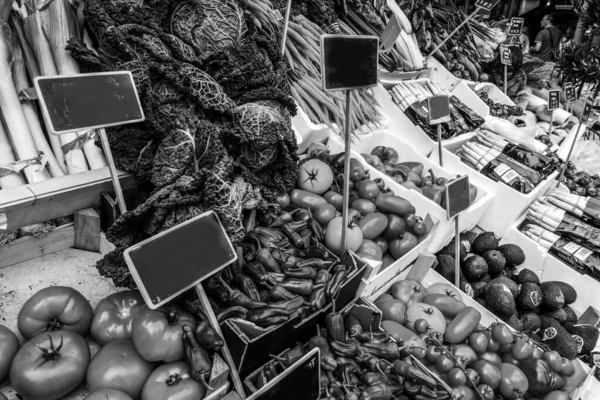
x=547 y=41
x=524 y=40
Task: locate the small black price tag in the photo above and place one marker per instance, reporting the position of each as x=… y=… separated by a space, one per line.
x=341 y=70
x=505 y=55
x=439 y=109
x=390 y=33
x=587 y=110
x=570 y=92
x=486 y=4
x=278 y=16
x=458 y=196
x=553 y=99
x=516 y=24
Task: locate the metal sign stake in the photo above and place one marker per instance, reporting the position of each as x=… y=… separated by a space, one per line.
x=113 y=170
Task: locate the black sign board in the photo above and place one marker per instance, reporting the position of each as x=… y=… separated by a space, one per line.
x=587 y=110
x=505 y=55
x=553 y=99
x=349 y=62
x=439 y=109
x=570 y=93
x=486 y=4
x=88 y=101
x=390 y=33
x=458 y=196
x=177 y=259
x=516 y=24
x=301 y=381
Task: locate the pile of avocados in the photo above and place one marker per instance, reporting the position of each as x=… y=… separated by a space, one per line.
x=516 y=295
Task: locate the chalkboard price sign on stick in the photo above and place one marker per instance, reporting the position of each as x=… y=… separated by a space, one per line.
x=458 y=199
x=516 y=24
x=553 y=99
x=486 y=4
x=506 y=61
x=439 y=112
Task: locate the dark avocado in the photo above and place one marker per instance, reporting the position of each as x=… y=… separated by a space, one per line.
x=496 y=262
x=475 y=268
x=484 y=242
x=513 y=254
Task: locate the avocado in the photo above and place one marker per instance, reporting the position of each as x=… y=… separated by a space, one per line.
x=589 y=334
x=560 y=315
x=449 y=250
x=496 y=262
x=514 y=288
x=479 y=288
x=466 y=287
x=446 y=266
x=481 y=301
x=569 y=292
x=571 y=316
x=515 y=322
x=511 y=273
x=527 y=275
x=552 y=296
x=559 y=339
x=513 y=254
x=531 y=321
x=500 y=300
x=485 y=241
x=487 y=278
x=530 y=296
x=475 y=268
x=547 y=322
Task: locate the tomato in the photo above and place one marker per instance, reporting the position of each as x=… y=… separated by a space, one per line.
x=479 y=342
x=325 y=213
x=464 y=393
x=157 y=334
x=513 y=382
x=402 y=246
x=367 y=189
x=522 y=349
x=114 y=315
x=172 y=382
x=540 y=376
x=567 y=369
x=363 y=206
x=421 y=326
x=382 y=243
x=420 y=228
x=372 y=225
x=119 y=366
x=557 y=395
x=305 y=199
x=357 y=171
x=510 y=359
x=400 y=333
x=464 y=353
x=446 y=304
x=333 y=236
x=390 y=203
x=433 y=353
x=383 y=297
x=493 y=346
x=392 y=310
x=489 y=373
x=444 y=364
x=353 y=196
x=473 y=378
x=315 y=176
x=432 y=315
x=553 y=359
x=462 y=325
x=408 y=291
x=486 y=392
x=491 y=357
x=445 y=288
x=9 y=345
x=54 y=308
x=409 y=220
x=537 y=352
x=369 y=249
x=506 y=348
x=456 y=377
x=335 y=199
x=50 y=365
x=501 y=334
x=283 y=200
x=107 y=394
x=394 y=228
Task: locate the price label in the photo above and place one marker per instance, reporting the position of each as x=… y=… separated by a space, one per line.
x=278 y=16
x=458 y=196
x=570 y=92
x=339 y=68
x=587 y=110
x=516 y=24
x=505 y=55
x=390 y=33
x=439 y=109
x=486 y=4
x=553 y=99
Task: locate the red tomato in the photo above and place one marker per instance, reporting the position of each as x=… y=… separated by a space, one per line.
x=107 y=394
x=333 y=236
x=9 y=345
x=363 y=206
x=114 y=316
x=325 y=213
x=445 y=288
x=513 y=382
x=367 y=189
x=54 y=308
x=50 y=365
x=431 y=314
x=456 y=377
x=315 y=176
x=372 y=225
x=553 y=359
x=157 y=334
x=479 y=342
x=119 y=366
x=433 y=353
x=501 y=334
x=473 y=378
x=172 y=382
x=370 y=249
x=489 y=373
x=491 y=357
x=283 y=200
x=462 y=325
x=567 y=369
x=335 y=199
x=493 y=346
x=557 y=395
x=522 y=349
x=421 y=326
x=408 y=291
x=444 y=364
x=510 y=359
x=486 y=392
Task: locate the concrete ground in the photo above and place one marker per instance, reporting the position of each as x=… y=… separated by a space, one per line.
x=69 y=267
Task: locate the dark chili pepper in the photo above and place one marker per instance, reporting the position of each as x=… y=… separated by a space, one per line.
x=257 y=272
x=295 y=252
x=317 y=299
x=346 y=360
x=249 y=250
x=300 y=313
x=348 y=373
x=405 y=351
x=352 y=325
x=362 y=356
x=268 y=373
x=239 y=262
x=327 y=359
x=372 y=364
x=301 y=273
x=344 y=349
x=385 y=366
x=212 y=284
x=267 y=316
x=425 y=391
x=335 y=389
x=292 y=355
x=283 y=219
x=264 y=294
x=442 y=396
x=387 y=351
x=247 y=285
x=279 y=293
x=335 y=283
x=272 y=369
x=278 y=255
x=276 y=234
x=393 y=379
x=266 y=217
x=381 y=337
x=407 y=370
x=196 y=357
x=334 y=324
x=411 y=388
x=316 y=229
x=293 y=236
x=207 y=337
x=291 y=262
x=261 y=380
x=380 y=391
x=373 y=378
x=261 y=239
x=237 y=298
x=275 y=278
x=302 y=287
x=266 y=259
x=316 y=252
x=324 y=381
x=250 y=221
x=315 y=263
x=323 y=277
x=306 y=235
x=290 y=305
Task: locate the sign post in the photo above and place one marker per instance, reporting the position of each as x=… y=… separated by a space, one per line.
x=553 y=104
x=439 y=112
x=340 y=71
x=88 y=102
x=587 y=110
x=570 y=95
x=458 y=199
x=286 y=24
x=506 y=61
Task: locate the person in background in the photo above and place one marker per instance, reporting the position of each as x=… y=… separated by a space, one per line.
x=567 y=40
x=547 y=41
x=524 y=40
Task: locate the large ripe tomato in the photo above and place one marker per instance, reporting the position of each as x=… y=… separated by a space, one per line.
x=9 y=345
x=513 y=382
x=408 y=292
x=50 y=365
x=315 y=176
x=119 y=366
x=54 y=308
x=488 y=372
x=431 y=314
x=333 y=236
x=172 y=382
x=114 y=316
x=157 y=334
x=107 y=394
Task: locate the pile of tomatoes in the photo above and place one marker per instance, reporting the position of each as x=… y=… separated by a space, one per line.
x=141 y=356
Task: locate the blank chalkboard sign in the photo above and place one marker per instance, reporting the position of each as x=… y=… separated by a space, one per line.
x=458 y=196
x=298 y=382
x=439 y=109
x=349 y=62
x=88 y=101
x=175 y=260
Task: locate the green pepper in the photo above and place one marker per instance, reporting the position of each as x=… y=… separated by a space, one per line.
x=387 y=351
x=208 y=337
x=317 y=299
x=380 y=391
x=237 y=298
x=344 y=349
x=290 y=305
x=352 y=325
x=302 y=287
x=266 y=259
x=315 y=263
x=267 y=316
x=306 y=236
x=292 y=355
x=334 y=285
x=301 y=273
x=334 y=324
x=197 y=357
x=247 y=285
x=279 y=293
x=257 y=272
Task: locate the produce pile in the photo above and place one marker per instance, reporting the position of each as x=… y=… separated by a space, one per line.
x=516 y=295
x=146 y=354
x=580 y=182
x=498 y=109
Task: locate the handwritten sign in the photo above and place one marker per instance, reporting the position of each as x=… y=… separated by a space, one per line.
x=278 y=16
x=516 y=24
x=587 y=110
x=486 y=4
x=458 y=196
x=390 y=33
x=439 y=109
x=341 y=70
x=570 y=93
x=505 y=55
x=553 y=99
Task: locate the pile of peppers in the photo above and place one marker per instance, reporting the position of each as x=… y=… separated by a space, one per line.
x=283 y=270
x=359 y=365
x=198 y=344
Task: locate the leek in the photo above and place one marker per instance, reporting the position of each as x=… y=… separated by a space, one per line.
x=6 y=157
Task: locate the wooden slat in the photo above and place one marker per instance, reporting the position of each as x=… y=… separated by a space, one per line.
x=28 y=248
x=57 y=197
x=87 y=230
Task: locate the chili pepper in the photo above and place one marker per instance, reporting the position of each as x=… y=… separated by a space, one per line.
x=344 y=349
x=283 y=219
x=322 y=277
x=328 y=362
x=239 y=262
x=268 y=374
x=257 y=272
x=373 y=378
x=315 y=263
x=300 y=312
x=324 y=381
x=279 y=293
x=264 y=294
x=396 y=388
x=247 y=285
x=425 y=391
x=272 y=369
x=196 y=357
x=317 y=299
x=407 y=370
x=227 y=274
x=275 y=278
x=444 y=396
x=362 y=355
x=393 y=379
x=275 y=234
x=316 y=252
x=335 y=389
x=237 y=298
x=260 y=239
x=295 y=252
x=249 y=250
x=212 y=284
x=334 y=324
x=405 y=351
x=266 y=259
x=278 y=255
x=387 y=351
x=267 y=316
x=380 y=337
x=292 y=355
x=316 y=229
x=346 y=360
x=411 y=388
x=385 y=366
x=302 y=287
x=335 y=283
x=289 y=305
x=380 y=391
x=372 y=364
x=348 y=373
x=352 y=325
x=250 y=221
x=208 y=337
x=306 y=235
x=293 y=236
x=261 y=380
x=266 y=217
x=301 y=273
x=291 y=262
